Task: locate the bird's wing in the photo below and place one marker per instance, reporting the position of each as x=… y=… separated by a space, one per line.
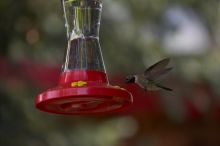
x=157 y=69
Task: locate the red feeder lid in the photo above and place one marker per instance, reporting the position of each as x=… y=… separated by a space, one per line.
x=83 y=92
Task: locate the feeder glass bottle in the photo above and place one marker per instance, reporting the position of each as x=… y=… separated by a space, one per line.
x=82 y=23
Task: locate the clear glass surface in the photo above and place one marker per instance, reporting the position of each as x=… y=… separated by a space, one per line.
x=82 y=21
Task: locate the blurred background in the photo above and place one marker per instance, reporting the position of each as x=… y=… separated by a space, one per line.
x=134 y=34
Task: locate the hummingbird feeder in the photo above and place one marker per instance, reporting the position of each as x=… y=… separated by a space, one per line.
x=83 y=87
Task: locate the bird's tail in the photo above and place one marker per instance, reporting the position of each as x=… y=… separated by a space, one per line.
x=163 y=87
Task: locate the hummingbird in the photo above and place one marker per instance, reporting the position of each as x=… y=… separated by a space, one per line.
x=147 y=80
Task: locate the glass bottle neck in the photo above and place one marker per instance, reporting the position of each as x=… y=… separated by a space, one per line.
x=82 y=18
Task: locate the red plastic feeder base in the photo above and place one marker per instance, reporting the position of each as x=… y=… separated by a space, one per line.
x=83 y=92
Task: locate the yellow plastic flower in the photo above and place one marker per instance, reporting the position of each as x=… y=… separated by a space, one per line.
x=78 y=84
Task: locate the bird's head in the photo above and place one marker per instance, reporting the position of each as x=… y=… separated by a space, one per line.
x=130 y=79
